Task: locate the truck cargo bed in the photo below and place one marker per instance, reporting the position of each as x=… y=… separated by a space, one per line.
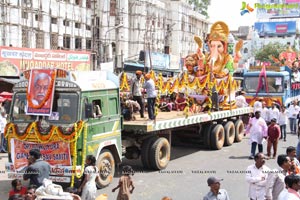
x=173 y=119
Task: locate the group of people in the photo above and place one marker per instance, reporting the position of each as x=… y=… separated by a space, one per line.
x=282 y=183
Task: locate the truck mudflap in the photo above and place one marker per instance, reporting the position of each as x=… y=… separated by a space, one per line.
x=59 y=174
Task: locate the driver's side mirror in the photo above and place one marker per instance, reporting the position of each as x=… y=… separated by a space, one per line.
x=89 y=110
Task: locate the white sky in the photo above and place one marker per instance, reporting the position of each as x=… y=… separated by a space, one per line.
x=229 y=12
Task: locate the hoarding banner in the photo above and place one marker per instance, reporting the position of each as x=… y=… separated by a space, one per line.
x=275 y=28
x=157 y=60
x=14 y=60
x=271 y=9
x=40 y=92
x=55 y=153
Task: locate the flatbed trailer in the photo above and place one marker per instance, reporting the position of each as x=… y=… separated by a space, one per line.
x=152 y=139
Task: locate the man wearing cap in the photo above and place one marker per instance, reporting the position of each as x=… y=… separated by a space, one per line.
x=149 y=86
x=215 y=191
x=273 y=137
x=136 y=92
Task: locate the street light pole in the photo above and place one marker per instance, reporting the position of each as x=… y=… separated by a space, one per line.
x=106 y=45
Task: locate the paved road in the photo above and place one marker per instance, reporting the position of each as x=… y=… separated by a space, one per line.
x=185 y=177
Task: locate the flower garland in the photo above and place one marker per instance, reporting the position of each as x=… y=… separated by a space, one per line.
x=48 y=93
x=44 y=138
x=74 y=160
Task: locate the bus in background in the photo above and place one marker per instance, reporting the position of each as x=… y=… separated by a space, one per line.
x=277 y=85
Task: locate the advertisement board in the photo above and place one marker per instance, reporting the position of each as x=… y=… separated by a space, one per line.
x=275 y=28
x=277 y=9
x=15 y=60
x=159 y=61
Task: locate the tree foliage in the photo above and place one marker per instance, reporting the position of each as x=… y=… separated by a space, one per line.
x=270 y=51
x=200 y=6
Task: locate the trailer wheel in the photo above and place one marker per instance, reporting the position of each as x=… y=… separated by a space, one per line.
x=145 y=152
x=160 y=154
x=239 y=130
x=206 y=132
x=106 y=166
x=217 y=137
x=229 y=129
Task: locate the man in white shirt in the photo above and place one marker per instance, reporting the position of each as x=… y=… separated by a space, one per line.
x=241 y=100
x=3 y=145
x=293 y=185
x=274 y=111
x=293 y=111
x=275 y=182
x=256 y=176
x=136 y=91
x=257 y=106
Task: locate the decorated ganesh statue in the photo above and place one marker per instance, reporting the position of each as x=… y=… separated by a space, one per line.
x=214 y=70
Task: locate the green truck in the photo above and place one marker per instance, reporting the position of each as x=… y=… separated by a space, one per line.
x=85 y=118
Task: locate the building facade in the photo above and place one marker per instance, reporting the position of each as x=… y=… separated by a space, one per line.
x=112 y=30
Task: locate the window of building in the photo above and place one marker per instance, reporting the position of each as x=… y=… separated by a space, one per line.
x=67 y=41
x=38 y=17
x=88 y=27
x=54 y=41
x=53 y=20
x=25 y=38
x=113 y=8
x=39 y=39
x=66 y=22
x=78 y=43
x=78 y=2
x=77 y=25
x=88 y=4
x=88 y=43
x=24 y=14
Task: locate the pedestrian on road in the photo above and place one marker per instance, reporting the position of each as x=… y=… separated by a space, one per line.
x=17 y=188
x=88 y=186
x=293 y=111
x=282 y=121
x=258 y=104
x=149 y=86
x=273 y=137
x=293 y=186
x=136 y=91
x=215 y=191
x=256 y=176
x=275 y=181
x=3 y=122
x=37 y=168
x=125 y=185
x=257 y=129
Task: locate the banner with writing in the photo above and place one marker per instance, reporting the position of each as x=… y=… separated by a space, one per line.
x=15 y=60
x=55 y=153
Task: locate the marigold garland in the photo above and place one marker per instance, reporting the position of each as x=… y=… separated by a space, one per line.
x=48 y=93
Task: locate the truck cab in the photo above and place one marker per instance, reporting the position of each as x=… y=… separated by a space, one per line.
x=84 y=119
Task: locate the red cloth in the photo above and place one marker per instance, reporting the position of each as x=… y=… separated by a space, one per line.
x=273 y=132
x=21 y=192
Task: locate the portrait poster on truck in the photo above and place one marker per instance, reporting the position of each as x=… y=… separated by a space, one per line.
x=55 y=153
x=40 y=92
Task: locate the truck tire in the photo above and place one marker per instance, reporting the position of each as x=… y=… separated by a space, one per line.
x=106 y=166
x=239 y=130
x=229 y=129
x=206 y=132
x=160 y=154
x=145 y=151
x=217 y=137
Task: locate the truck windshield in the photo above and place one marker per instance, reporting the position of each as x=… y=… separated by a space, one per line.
x=275 y=84
x=64 y=109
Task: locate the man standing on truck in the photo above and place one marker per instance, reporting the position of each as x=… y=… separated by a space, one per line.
x=37 y=169
x=149 y=86
x=136 y=92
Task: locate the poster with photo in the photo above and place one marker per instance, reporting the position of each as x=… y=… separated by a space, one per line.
x=40 y=91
